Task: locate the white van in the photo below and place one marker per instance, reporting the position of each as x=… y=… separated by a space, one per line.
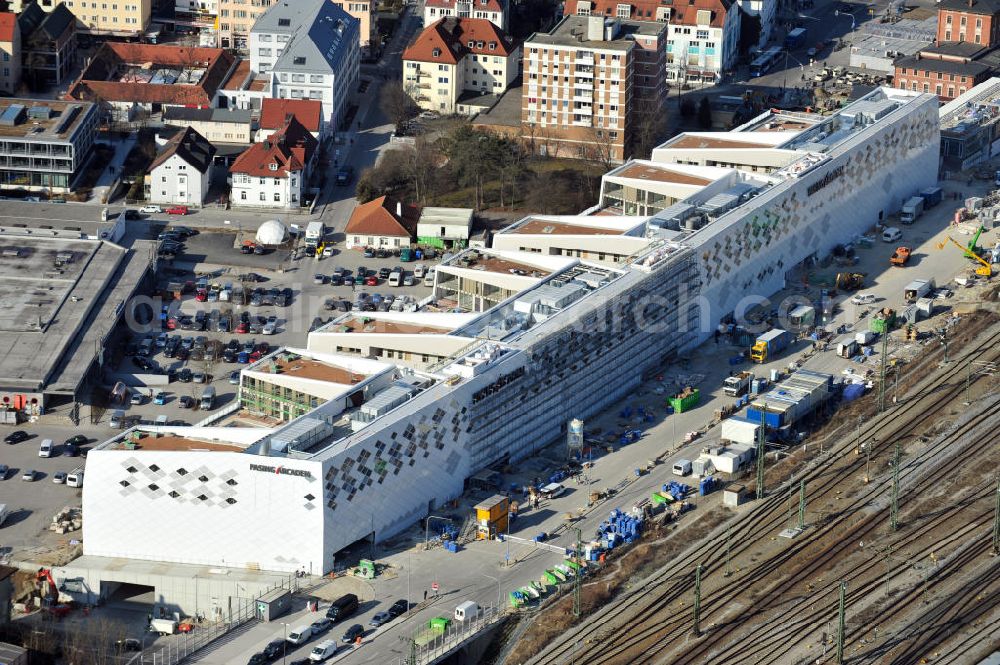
x=419 y=271
x=395 y=278
x=682 y=467
x=891 y=234
x=45 y=449
x=322 y=651
x=429 y=277
x=300 y=634
x=467 y=610
x=552 y=490
x=75 y=478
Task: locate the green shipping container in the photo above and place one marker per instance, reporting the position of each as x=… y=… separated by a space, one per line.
x=682 y=404
x=882 y=324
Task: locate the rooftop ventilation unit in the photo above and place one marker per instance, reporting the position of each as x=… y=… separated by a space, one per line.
x=12 y=115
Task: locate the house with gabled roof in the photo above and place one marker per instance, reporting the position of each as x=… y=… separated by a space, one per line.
x=455 y=60
x=274 y=173
x=181 y=172
x=382 y=222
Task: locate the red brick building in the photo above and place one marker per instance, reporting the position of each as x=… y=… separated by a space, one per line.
x=947 y=71
x=973 y=21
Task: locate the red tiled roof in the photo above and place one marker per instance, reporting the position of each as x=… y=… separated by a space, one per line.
x=239 y=76
x=379 y=218
x=274 y=113
x=102 y=79
x=451 y=37
x=477 y=5
x=8 y=21
x=289 y=149
x=645 y=10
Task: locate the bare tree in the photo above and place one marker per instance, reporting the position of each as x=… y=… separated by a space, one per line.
x=396 y=103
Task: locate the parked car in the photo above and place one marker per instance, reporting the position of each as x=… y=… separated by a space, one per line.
x=275 y=649
x=59 y=477
x=151 y=210
x=16 y=436
x=380 y=618
x=29 y=476
x=177 y=210
x=160 y=398
x=322 y=625
x=345 y=175
x=77 y=440
x=70 y=450
x=399 y=608
x=186 y=402
x=198 y=377
x=234 y=378
x=269 y=329
x=353 y=633
x=4 y=470
x=185 y=375
x=319 y=278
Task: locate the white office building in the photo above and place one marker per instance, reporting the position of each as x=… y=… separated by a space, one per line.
x=310 y=49
x=543 y=328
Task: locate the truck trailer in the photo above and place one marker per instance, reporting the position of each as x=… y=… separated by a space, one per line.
x=769 y=345
x=932 y=196
x=734 y=386
x=796 y=38
x=917 y=289
x=911 y=210
x=739 y=430
x=314 y=234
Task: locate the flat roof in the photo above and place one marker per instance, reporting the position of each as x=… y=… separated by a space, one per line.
x=659 y=174
x=544 y=227
x=491 y=263
x=45 y=306
x=175 y=443
x=506 y=112
x=41 y=120
x=362 y=324
x=567 y=33
x=307 y=368
x=694 y=142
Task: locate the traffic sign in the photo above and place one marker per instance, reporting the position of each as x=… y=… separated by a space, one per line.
x=434 y=586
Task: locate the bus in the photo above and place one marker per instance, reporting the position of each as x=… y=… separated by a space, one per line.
x=762 y=64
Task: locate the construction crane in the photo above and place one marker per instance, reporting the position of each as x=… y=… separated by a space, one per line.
x=984 y=270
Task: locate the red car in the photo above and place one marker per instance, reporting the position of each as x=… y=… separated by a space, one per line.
x=201 y=296
x=177 y=210
x=255 y=356
x=171 y=323
x=371 y=280
x=242 y=329
x=262 y=348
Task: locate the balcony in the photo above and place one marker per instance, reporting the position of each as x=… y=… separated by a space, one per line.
x=584 y=71
x=583 y=96
x=585 y=60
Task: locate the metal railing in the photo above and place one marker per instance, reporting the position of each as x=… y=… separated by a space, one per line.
x=456 y=633
x=180 y=647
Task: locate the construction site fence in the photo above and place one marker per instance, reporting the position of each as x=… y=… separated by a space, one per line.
x=457 y=633
x=177 y=648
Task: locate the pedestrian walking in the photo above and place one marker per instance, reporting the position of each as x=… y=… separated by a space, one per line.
x=425 y=594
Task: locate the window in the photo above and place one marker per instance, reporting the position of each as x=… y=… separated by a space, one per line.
x=271 y=167
x=263 y=197
x=264 y=52
x=164 y=178
x=298 y=78
x=265 y=38
x=284 y=22
x=277 y=197
x=315 y=78
x=243 y=195
x=300 y=60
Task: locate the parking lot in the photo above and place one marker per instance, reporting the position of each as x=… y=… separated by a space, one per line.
x=250 y=301
x=31 y=505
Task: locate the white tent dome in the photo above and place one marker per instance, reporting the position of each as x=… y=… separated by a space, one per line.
x=272 y=232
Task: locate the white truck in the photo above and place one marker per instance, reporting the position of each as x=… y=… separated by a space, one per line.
x=917 y=289
x=314 y=234
x=163 y=626
x=911 y=210
x=734 y=386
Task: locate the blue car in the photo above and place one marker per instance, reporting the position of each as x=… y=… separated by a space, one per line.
x=70 y=450
x=243 y=358
x=161 y=398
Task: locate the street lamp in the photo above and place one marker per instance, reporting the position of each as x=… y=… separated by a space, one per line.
x=837 y=12
x=784 y=74
x=499 y=594
x=427 y=524
x=284 y=645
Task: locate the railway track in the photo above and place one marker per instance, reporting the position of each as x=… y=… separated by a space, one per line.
x=645 y=618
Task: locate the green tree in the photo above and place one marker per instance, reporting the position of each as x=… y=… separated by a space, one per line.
x=397 y=105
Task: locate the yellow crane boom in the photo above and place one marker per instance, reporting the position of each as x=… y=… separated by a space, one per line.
x=985 y=270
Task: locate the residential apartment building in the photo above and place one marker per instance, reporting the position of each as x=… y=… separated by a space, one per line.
x=494 y=11
x=364 y=11
x=974 y=21
x=228 y=125
x=181 y=172
x=275 y=172
x=237 y=18
x=48 y=45
x=45 y=144
x=10 y=53
x=455 y=58
x=274 y=114
x=198 y=12
x=118 y=18
x=702 y=37
x=947 y=70
x=580 y=95
x=310 y=50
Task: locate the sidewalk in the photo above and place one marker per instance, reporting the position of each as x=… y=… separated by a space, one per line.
x=113 y=170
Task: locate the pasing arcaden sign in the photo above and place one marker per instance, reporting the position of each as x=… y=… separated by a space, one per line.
x=281 y=470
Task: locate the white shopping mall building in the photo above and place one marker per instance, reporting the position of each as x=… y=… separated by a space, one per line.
x=385 y=415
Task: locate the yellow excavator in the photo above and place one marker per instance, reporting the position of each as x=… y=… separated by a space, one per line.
x=850 y=281
x=984 y=270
